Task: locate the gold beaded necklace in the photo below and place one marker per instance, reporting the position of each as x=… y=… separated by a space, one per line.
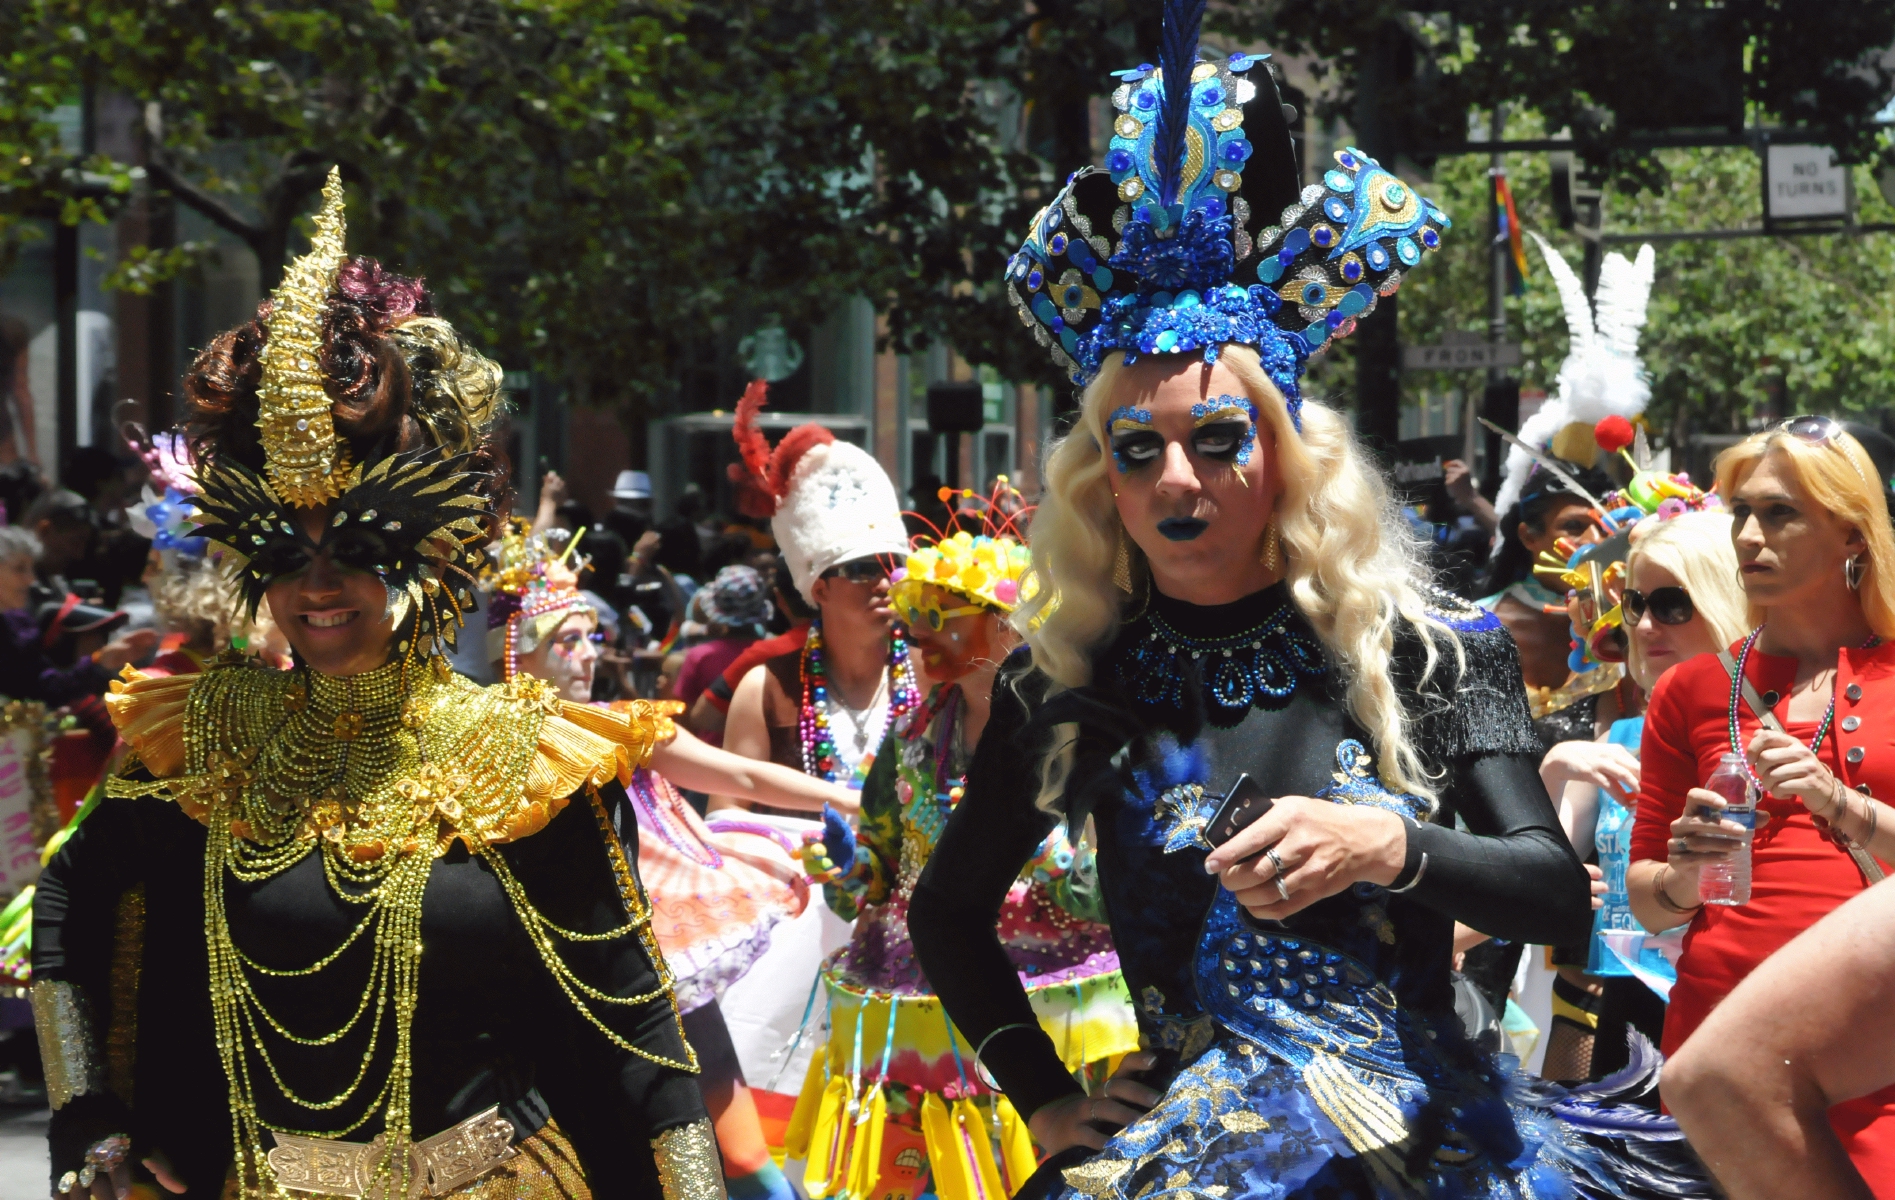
x=381 y=773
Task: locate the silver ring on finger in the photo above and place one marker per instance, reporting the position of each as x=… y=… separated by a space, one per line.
x=1274 y=861
x=1281 y=890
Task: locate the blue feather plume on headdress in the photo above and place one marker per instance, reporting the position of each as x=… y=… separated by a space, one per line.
x=1177 y=57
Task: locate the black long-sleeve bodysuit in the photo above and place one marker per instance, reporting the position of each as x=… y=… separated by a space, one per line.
x=491 y=1027
x=1509 y=873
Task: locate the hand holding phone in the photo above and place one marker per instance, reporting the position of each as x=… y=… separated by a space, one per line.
x=1243 y=805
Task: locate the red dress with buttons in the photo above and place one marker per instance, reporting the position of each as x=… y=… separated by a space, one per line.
x=1797 y=875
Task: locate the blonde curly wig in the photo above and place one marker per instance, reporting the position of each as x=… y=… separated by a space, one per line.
x=195 y=597
x=1353 y=568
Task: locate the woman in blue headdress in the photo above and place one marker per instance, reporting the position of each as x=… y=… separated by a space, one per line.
x=1224 y=589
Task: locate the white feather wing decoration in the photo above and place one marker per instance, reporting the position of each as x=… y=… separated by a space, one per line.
x=1602 y=375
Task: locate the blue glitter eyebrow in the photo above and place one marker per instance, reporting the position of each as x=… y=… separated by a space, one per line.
x=1206 y=411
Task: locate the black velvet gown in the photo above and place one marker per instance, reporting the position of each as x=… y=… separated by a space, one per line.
x=1319 y=1057
x=491 y=1027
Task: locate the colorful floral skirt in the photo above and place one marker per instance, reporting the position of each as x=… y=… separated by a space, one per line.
x=715 y=896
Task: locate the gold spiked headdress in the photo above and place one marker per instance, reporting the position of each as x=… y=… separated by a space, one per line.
x=305 y=461
x=415 y=518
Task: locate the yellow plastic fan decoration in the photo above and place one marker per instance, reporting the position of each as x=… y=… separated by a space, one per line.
x=796 y=1135
x=865 y=1156
x=829 y=1141
x=1017 y=1162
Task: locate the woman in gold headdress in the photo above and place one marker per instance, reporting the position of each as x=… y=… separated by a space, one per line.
x=362 y=928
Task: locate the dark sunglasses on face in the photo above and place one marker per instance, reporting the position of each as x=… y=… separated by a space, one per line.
x=1668 y=605
x=861 y=570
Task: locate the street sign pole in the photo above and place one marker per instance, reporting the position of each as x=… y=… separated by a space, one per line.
x=1494 y=399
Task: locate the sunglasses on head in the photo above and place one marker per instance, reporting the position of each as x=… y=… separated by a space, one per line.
x=860 y=570
x=1821 y=431
x=1816 y=431
x=1668 y=605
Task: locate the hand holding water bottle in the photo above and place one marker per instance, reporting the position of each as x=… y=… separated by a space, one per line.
x=1708 y=838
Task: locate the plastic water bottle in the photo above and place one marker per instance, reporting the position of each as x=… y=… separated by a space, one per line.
x=1727 y=880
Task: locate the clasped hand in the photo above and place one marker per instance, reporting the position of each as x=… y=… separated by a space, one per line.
x=1787 y=767
x=1079 y=1120
x=1322 y=848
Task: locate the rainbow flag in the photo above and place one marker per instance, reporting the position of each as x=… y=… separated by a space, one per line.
x=1516 y=236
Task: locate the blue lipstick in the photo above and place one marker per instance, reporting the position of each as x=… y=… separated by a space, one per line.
x=1182 y=529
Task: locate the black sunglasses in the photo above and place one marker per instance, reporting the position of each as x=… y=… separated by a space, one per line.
x=1668 y=605
x=860 y=570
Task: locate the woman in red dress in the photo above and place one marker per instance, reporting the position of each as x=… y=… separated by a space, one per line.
x=1817 y=561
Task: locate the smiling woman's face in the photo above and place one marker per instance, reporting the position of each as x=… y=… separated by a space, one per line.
x=1195 y=476
x=335 y=617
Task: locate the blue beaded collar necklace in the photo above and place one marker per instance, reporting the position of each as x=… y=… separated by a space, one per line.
x=1255 y=666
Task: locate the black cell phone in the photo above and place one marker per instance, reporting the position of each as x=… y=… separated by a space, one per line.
x=1243 y=804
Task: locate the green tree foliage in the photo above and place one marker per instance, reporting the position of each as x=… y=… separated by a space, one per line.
x=1806 y=324
x=598 y=187
x=1616 y=73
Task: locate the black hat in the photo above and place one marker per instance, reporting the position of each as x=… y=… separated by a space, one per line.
x=61 y=618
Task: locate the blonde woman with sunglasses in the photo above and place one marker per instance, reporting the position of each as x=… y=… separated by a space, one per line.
x=1816 y=558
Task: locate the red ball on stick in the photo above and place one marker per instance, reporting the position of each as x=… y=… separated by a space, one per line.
x=1613 y=434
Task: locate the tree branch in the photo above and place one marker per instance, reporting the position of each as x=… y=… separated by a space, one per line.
x=214 y=209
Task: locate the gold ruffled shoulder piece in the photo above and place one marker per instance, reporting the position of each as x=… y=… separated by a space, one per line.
x=149 y=712
x=584 y=745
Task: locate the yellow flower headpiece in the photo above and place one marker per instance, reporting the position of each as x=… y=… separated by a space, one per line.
x=306 y=463
x=984 y=570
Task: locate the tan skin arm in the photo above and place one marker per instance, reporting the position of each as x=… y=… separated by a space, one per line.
x=691 y=763
x=745 y=733
x=1810 y=1028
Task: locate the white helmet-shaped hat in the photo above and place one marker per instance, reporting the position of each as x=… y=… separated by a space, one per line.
x=831 y=502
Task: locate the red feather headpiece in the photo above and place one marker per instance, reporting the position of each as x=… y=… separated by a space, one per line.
x=764 y=478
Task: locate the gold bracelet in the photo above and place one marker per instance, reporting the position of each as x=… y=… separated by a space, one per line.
x=69 y=1053
x=689 y=1166
x=1664 y=901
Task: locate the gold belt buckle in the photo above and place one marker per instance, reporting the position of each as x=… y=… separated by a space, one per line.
x=458 y=1156
x=449 y=1160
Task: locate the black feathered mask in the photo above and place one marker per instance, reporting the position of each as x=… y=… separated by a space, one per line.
x=413 y=519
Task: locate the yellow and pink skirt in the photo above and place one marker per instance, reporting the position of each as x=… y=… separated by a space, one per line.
x=893 y=1109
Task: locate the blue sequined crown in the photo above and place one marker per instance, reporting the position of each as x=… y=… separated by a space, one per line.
x=1133 y=259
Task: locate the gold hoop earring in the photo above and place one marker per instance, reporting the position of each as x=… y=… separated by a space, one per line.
x=1122 y=565
x=1272 y=542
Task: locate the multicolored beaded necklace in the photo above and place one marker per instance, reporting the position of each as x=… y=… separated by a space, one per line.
x=1737 y=691
x=812 y=723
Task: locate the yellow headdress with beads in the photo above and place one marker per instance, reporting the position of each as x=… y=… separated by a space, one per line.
x=306 y=463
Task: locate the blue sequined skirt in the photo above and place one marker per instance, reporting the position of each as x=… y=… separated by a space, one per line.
x=1319 y=1085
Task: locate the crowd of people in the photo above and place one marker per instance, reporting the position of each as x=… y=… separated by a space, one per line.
x=1173 y=832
